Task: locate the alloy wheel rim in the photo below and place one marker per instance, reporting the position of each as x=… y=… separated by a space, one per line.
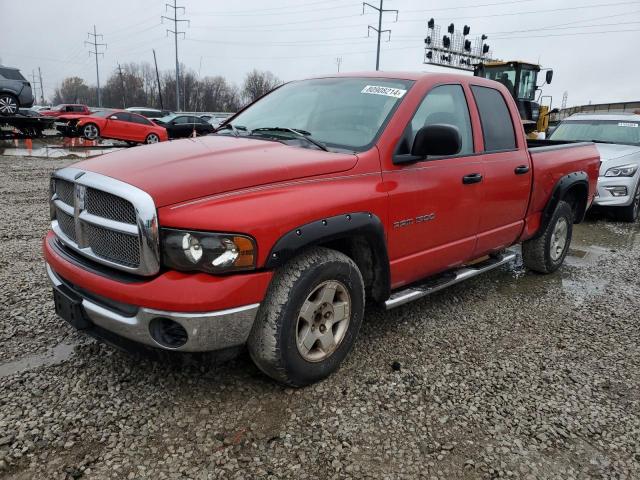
x=90 y=131
x=636 y=203
x=323 y=321
x=153 y=138
x=8 y=105
x=559 y=238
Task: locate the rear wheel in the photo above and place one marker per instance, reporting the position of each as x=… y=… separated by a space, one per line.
x=90 y=131
x=309 y=319
x=152 y=138
x=546 y=252
x=8 y=104
x=630 y=213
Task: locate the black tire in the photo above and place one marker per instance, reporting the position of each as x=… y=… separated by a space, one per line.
x=273 y=342
x=630 y=213
x=9 y=104
x=94 y=128
x=540 y=254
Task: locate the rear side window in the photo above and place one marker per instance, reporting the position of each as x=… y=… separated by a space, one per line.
x=78 y=108
x=139 y=119
x=11 y=74
x=497 y=127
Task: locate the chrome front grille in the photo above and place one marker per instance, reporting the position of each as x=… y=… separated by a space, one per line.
x=107 y=220
x=109 y=206
x=115 y=246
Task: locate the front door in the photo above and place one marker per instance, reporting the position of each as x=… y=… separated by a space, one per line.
x=433 y=208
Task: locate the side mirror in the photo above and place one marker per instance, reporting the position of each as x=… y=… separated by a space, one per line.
x=437 y=139
x=549 y=76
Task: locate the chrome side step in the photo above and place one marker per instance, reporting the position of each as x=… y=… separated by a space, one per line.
x=445 y=280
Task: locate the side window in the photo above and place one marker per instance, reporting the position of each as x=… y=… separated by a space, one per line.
x=444 y=104
x=182 y=120
x=68 y=109
x=139 y=119
x=497 y=126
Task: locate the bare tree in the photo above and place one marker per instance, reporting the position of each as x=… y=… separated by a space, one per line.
x=257 y=83
x=73 y=90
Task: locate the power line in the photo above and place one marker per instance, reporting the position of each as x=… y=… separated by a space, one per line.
x=532 y=12
x=378 y=30
x=175 y=32
x=95 y=52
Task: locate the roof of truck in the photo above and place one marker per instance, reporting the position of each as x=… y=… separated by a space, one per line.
x=620 y=116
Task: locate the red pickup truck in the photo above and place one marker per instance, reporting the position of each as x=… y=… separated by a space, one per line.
x=322 y=195
x=66 y=109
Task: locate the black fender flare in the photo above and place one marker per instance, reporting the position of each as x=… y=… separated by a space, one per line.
x=363 y=225
x=559 y=192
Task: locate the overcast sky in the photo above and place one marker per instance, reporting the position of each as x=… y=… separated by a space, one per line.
x=296 y=39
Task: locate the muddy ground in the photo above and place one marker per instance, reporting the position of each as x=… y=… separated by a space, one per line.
x=512 y=375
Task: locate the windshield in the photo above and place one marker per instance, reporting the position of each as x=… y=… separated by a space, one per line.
x=613 y=131
x=101 y=113
x=344 y=113
x=504 y=74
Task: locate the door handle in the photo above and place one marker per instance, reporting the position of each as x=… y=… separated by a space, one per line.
x=472 y=178
x=521 y=170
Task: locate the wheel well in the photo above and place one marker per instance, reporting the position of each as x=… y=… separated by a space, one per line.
x=360 y=249
x=359 y=235
x=577 y=196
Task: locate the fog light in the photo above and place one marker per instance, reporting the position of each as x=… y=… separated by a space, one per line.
x=617 y=191
x=168 y=333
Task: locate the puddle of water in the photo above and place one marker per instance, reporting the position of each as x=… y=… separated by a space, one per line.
x=58 y=354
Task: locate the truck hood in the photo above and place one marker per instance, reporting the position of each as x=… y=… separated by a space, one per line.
x=177 y=171
x=613 y=155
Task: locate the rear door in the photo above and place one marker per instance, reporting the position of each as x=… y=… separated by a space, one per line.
x=433 y=211
x=139 y=127
x=507 y=173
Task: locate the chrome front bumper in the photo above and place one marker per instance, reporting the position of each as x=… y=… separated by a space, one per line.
x=606 y=199
x=206 y=331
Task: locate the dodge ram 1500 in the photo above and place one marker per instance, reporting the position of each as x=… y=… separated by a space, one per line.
x=325 y=193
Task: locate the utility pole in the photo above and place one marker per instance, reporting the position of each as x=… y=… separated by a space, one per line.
x=124 y=91
x=95 y=52
x=338 y=63
x=35 y=83
x=379 y=30
x=41 y=87
x=158 y=79
x=175 y=32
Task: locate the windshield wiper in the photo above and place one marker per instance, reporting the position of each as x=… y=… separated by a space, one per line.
x=600 y=141
x=233 y=128
x=300 y=133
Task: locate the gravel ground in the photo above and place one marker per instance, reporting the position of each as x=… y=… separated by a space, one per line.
x=510 y=375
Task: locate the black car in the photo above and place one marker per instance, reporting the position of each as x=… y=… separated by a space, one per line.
x=181 y=126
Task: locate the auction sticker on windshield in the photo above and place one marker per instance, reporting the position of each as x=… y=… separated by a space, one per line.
x=628 y=124
x=386 y=91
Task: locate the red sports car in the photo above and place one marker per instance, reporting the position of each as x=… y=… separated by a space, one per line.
x=120 y=125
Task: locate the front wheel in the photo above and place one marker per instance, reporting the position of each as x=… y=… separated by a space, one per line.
x=309 y=319
x=8 y=104
x=152 y=138
x=631 y=212
x=546 y=252
x=90 y=131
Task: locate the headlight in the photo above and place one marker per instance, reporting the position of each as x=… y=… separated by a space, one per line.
x=207 y=252
x=622 y=171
